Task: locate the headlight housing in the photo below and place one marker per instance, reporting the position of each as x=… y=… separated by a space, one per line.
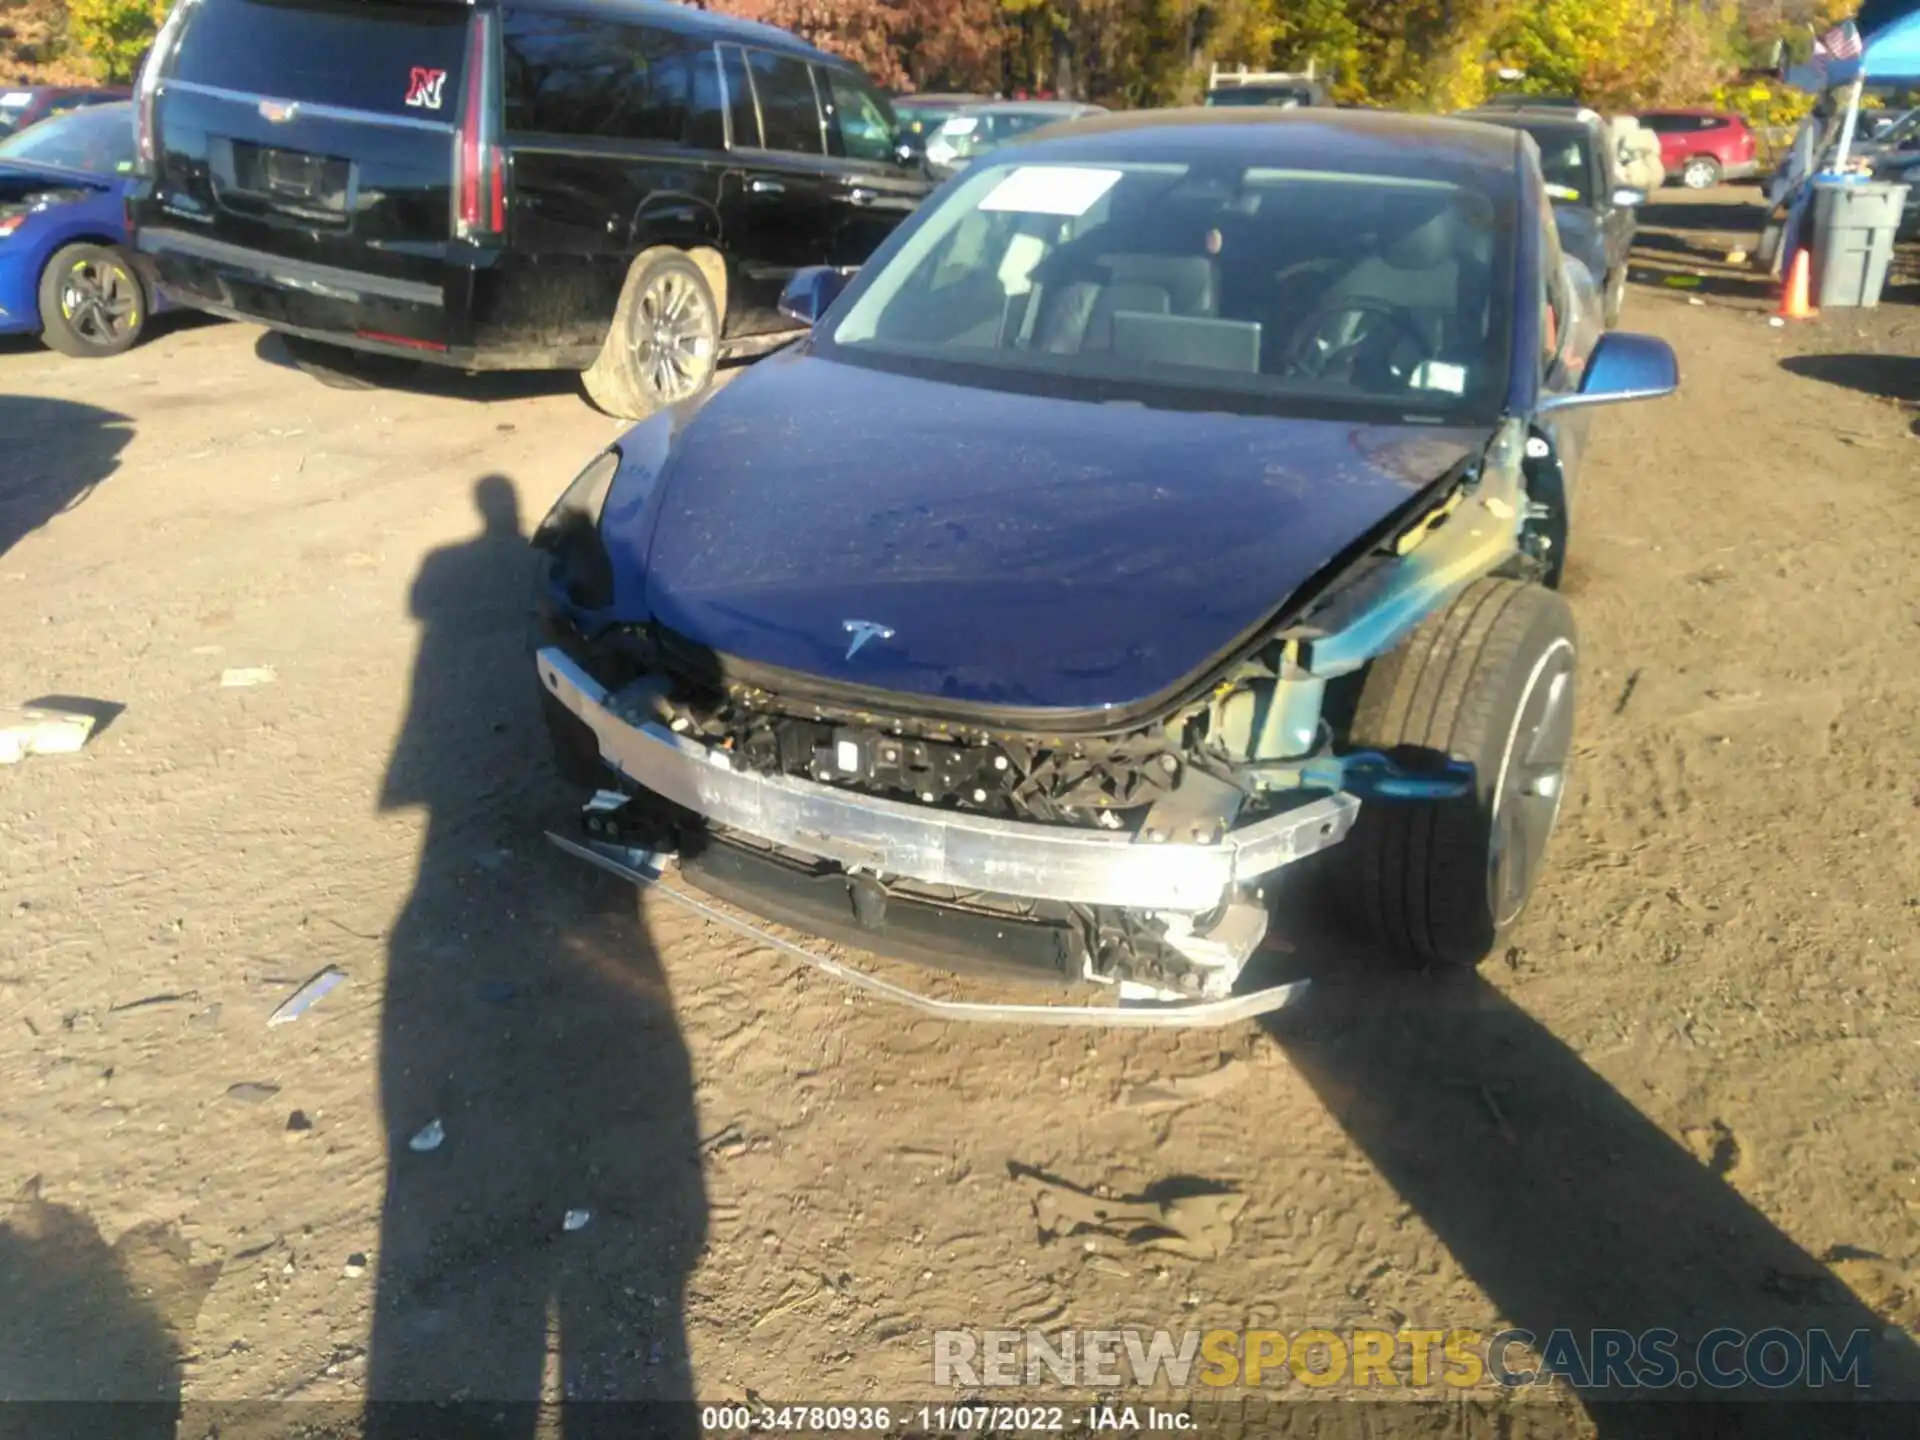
x=571 y=534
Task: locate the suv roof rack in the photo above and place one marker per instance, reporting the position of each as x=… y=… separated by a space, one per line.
x=1219 y=79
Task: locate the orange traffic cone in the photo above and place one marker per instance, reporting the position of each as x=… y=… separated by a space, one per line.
x=1794 y=303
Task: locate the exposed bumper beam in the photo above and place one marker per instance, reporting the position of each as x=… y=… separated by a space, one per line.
x=940 y=847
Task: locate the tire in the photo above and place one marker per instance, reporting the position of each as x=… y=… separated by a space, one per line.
x=1615 y=298
x=340 y=367
x=1701 y=172
x=1490 y=681
x=92 y=303
x=664 y=340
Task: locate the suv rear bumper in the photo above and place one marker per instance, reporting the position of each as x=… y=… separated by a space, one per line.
x=379 y=313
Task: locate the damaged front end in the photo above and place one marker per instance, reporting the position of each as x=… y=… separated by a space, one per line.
x=1133 y=852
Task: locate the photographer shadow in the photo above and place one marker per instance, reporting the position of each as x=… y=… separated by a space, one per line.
x=545 y=1201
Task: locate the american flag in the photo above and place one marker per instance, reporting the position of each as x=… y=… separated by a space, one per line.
x=1842 y=42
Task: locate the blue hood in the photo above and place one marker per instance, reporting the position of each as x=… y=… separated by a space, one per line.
x=1024 y=551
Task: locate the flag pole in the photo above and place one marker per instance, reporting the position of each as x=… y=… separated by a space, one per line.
x=1852 y=119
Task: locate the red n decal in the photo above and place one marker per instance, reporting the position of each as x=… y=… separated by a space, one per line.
x=424 y=87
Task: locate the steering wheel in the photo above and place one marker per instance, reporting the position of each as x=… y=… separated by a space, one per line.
x=1308 y=355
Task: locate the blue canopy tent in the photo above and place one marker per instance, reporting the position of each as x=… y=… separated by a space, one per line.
x=1889 y=32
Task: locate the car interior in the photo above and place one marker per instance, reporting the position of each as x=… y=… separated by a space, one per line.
x=1373 y=284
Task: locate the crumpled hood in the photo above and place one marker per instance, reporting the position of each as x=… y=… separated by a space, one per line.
x=1022 y=550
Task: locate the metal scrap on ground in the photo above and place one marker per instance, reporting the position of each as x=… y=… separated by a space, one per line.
x=304 y=999
x=1197 y=1226
x=42 y=730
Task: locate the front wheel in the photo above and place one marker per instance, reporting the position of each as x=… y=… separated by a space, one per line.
x=1702 y=172
x=664 y=341
x=1490 y=681
x=92 y=304
x=1616 y=297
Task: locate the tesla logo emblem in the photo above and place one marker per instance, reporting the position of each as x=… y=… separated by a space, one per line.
x=423 y=89
x=862 y=631
x=277 y=113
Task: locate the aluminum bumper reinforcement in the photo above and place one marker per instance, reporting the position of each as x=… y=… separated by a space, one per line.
x=644 y=868
x=940 y=847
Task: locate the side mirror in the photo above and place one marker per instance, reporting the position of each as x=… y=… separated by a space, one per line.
x=1622 y=367
x=811 y=291
x=1628 y=196
x=909 y=148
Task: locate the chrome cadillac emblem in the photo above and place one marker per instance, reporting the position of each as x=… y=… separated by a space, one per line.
x=862 y=631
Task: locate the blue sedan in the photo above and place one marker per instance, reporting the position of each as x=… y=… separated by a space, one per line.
x=66 y=273
x=1172 y=498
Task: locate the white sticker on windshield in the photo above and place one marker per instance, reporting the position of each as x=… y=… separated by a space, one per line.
x=961 y=125
x=1069 y=190
x=16 y=98
x=1438 y=375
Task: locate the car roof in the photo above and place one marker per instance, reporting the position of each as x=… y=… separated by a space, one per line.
x=1689 y=110
x=1316 y=136
x=684 y=18
x=1561 y=120
x=1032 y=107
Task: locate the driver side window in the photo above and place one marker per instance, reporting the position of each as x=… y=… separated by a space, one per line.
x=1555 y=302
x=859 y=125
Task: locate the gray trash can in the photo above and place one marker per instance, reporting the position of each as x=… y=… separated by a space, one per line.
x=1854 y=223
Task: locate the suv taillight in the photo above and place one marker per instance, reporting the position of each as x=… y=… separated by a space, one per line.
x=147 y=87
x=480 y=188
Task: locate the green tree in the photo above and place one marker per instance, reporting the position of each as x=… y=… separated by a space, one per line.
x=114 y=34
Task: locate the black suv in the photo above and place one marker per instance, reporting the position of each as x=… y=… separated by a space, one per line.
x=612 y=186
x=1592 y=208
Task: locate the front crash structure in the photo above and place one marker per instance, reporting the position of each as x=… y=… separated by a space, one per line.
x=1139 y=860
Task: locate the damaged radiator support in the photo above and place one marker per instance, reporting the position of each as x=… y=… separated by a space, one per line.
x=1170 y=909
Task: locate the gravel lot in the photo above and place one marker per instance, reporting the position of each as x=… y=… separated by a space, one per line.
x=1686 y=1098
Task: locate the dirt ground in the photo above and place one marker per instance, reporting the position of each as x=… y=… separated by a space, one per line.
x=1686 y=1097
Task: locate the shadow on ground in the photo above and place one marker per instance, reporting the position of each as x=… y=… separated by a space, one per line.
x=1741 y=212
x=56 y=452
x=544 y=1243
x=1891 y=377
x=91 y=1334
x=1560 y=1200
x=343 y=369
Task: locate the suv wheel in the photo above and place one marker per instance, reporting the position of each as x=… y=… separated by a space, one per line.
x=1488 y=680
x=91 y=303
x=1701 y=172
x=664 y=340
x=1615 y=298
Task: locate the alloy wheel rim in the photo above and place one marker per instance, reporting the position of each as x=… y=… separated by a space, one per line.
x=1699 y=175
x=99 y=301
x=674 y=337
x=1532 y=783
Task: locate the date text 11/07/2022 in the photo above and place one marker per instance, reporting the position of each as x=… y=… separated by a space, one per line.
x=942 y=1419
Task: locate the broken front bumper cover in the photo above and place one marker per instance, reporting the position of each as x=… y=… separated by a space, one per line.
x=645 y=869
x=941 y=847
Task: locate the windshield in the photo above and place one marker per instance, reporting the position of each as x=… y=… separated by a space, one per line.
x=918 y=119
x=961 y=137
x=98 y=140
x=1238 y=288
x=1282 y=97
x=14 y=105
x=1905 y=128
x=1566 y=162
